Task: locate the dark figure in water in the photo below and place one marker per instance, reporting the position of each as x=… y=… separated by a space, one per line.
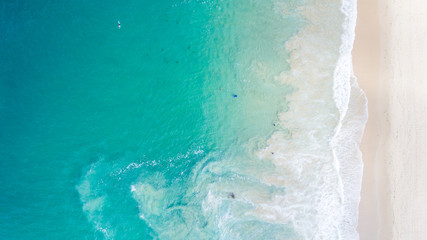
x=231 y=195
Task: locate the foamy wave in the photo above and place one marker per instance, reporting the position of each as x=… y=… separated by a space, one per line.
x=352 y=103
x=320 y=163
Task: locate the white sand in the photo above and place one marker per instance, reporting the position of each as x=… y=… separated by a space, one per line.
x=390 y=61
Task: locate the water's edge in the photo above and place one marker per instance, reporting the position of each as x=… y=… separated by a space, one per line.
x=353 y=117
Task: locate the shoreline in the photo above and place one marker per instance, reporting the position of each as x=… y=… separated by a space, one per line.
x=374 y=208
x=389 y=58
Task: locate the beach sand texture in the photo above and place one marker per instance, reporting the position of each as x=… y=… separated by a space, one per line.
x=390 y=62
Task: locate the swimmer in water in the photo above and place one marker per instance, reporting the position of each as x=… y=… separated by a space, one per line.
x=231 y=194
x=119 y=24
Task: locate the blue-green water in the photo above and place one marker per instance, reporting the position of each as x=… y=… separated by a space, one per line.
x=145 y=131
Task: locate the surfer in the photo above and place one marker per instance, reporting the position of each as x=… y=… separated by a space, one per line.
x=118 y=24
x=231 y=194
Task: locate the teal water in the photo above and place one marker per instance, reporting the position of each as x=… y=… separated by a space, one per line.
x=78 y=94
x=196 y=119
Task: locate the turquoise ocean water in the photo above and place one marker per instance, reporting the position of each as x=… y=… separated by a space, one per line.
x=196 y=119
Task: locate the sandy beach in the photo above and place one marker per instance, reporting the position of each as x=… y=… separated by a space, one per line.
x=389 y=58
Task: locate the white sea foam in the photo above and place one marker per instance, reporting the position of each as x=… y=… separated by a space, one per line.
x=320 y=163
x=352 y=123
